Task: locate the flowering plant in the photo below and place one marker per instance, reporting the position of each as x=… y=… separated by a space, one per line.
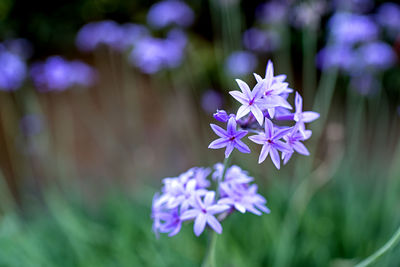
x=190 y=195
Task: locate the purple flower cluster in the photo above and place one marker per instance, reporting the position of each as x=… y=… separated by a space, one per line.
x=262 y=106
x=189 y=197
x=59 y=74
x=170 y=12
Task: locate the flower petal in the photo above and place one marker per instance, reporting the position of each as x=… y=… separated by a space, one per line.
x=269 y=128
x=309 y=116
x=242 y=147
x=209 y=198
x=242 y=111
x=189 y=214
x=298 y=100
x=219 y=143
x=300 y=148
x=231 y=127
x=264 y=153
x=257 y=114
x=214 y=224
x=218 y=208
x=258 y=77
x=229 y=149
x=199 y=223
x=275 y=158
x=218 y=130
x=245 y=88
x=239 y=97
x=258 y=139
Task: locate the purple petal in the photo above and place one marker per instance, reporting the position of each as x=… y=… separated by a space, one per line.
x=259 y=89
x=242 y=147
x=219 y=143
x=231 y=128
x=229 y=149
x=218 y=130
x=176 y=230
x=280 y=101
x=214 y=224
x=284 y=147
x=309 y=116
x=298 y=100
x=239 y=97
x=282 y=132
x=199 y=224
x=257 y=114
x=300 y=148
x=264 y=153
x=286 y=157
x=240 y=134
x=269 y=72
x=245 y=88
x=218 y=208
x=209 y=198
x=258 y=139
x=242 y=111
x=275 y=158
x=258 y=77
x=189 y=214
x=269 y=128
x=240 y=207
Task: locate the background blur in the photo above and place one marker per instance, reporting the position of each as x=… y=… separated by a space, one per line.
x=101 y=99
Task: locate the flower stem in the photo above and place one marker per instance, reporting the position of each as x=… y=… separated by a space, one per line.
x=374 y=257
x=209 y=259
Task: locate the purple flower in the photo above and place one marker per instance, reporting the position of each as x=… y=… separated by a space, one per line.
x=271 y=143
x=348 y=28
x=203 y=213
x=240 y=63
x=376 y=55
x=211 y=100
x=243 y=198
x=274 y=91
x=233 y=174
x=229 y=138
x=301 y=116
x=293 y=139
x=251 y=100
x=221 y=116
x=261 y=40
x=272 y=12
x=166 y=13
x=58 y=74
x=337 y=56
x=12 y=71
x=388 y=15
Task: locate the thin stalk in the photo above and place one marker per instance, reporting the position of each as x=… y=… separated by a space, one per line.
x=389 y=245
x=209 y=259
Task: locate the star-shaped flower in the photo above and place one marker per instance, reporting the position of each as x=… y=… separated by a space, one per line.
x=203 y=213
x=251 y=100
x=293 y=139
x=230 y=138
x=301 y=116
x=271 y=143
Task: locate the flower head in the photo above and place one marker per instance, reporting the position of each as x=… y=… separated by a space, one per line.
x=301 y=116
x=229 y=138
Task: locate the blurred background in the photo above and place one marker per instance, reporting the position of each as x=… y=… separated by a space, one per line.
x=101 y=99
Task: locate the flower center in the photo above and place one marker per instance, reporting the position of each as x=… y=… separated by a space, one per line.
x=232 y=138
x=269 y=141
x=204 y=211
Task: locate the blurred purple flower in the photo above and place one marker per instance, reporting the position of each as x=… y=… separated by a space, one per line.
x=229 y=138
x=376 y=56
x=58 y=74
x=131 y=34
x=336 y=56
x=240 y=63
x=388 y=15
x=203 y=213
x=169 y=12
x=153 y=54
x=308 y=14
x=364 y=83
x=261 y=40
x=12 y=71
x=211 y=100
x=21 y=47
x=347 y=28
x=93 y=34
x=355 y=6
x=31 y=124
x=272 y=12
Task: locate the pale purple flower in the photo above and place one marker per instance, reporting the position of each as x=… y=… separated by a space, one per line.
x=243 y=198
x=240 y=63
x=233 y=174
x=301 y=117
x=221 y=115
x=271 y=143
x=337 y=56
x=229 y=138
x=348 y=28
x=388 y=16
x=59 y=74
x=12 y=71
x=272 y=12
x=274 y=91
x=204 y=212
x=376 y=56
x=293 y=139
x=169 y=12
x=251 y=101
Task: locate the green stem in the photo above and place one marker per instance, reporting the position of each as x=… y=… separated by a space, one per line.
x=374 y=257
x=209 y=259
